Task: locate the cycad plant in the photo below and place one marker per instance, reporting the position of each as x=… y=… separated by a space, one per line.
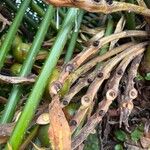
x=73 y=73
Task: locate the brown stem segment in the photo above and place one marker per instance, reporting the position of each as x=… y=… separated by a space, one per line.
x=16 y=80
x=102 y=108
x=113 y=84
x=83 y=56
x=90 y=64
x=82 y=82
x=102 y=6
x=73 y=91
x=130 y=93
x=102 y=75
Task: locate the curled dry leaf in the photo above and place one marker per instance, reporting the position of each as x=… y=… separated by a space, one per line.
x=43 y=119
x=59 y=130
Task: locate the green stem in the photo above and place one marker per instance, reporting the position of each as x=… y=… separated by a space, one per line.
x=27 y=66
x=12 y=32
x=130 y=16
x=28 y=19
x=39 y=87
x=29 y=138
x=109 y=31
x=37 y=9
x=73 y=40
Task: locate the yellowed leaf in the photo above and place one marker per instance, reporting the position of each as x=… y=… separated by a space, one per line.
x=59 y=130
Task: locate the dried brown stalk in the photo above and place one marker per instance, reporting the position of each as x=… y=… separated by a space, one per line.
x=16 y=80
x=90 y=64
x=105 y=103
x=92 y=31
x=141 y=3
x=113 y=85
x=130 y=93
x=102 y=6
x=102 y=75
x=96 y=37
x=83 y=82
x=73 y=91
x=88 y=128
x=83 y=56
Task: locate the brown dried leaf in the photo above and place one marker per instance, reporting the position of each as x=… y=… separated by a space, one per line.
x=145 y=142
x=5 y=131
x=102 y=6
x=59 y=130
